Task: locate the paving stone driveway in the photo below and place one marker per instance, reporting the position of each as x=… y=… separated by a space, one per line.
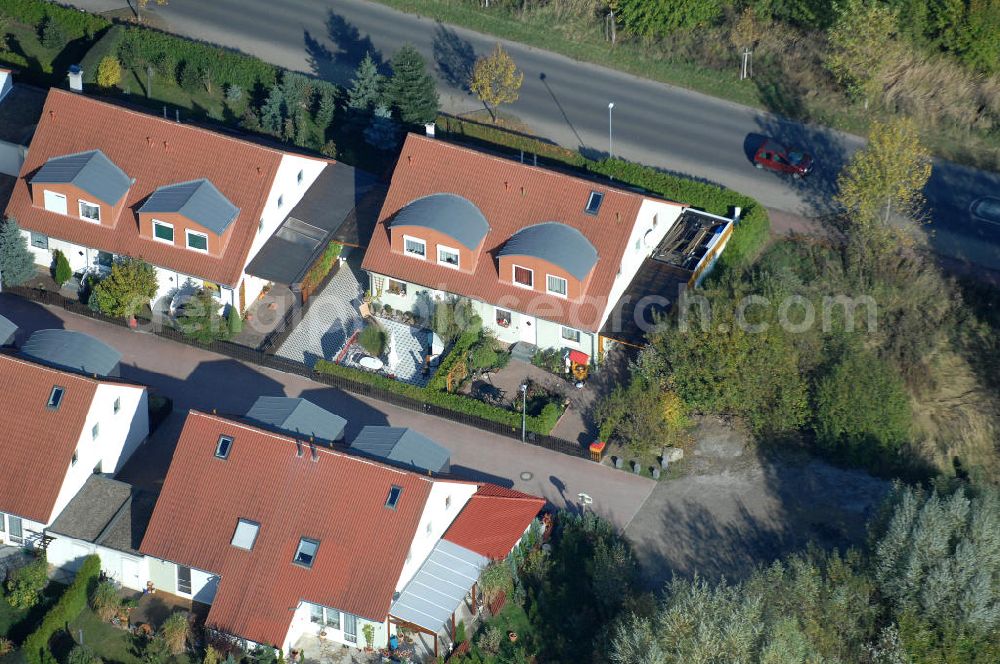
x=331 y=319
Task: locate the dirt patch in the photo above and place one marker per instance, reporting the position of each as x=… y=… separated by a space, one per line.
x=737 y=508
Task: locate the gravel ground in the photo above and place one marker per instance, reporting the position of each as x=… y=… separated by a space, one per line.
x=735 y=508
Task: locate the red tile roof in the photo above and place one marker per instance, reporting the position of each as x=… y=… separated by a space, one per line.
x=155 y=152
x=338 y=500
x=494 y=520
x=512 y=196
x=37 y=442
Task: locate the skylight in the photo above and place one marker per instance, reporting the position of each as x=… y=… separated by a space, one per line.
x=594 y=202
x=306 y=553
x=223 y=446
x=55 y=397
x=394 y=493
x=246 y=534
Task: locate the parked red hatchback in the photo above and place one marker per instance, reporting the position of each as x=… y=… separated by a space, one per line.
x=774 y=156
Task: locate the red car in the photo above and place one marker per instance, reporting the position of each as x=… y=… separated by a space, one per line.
x=776 y=157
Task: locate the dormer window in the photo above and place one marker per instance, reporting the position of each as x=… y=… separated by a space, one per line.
x=556 y=285
x=594 y=202
x=90 y=211
x=414 y=247
x=524 y=276
x=55 y=397
x=163 y=232
x=448 y=256
x=305 y=554
x=245 y=535
x=55 y=202
x=197 y=241
x=223 y=447
x=393 y=498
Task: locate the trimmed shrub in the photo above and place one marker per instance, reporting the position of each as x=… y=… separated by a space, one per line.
x=61 y=271
x=74 y=23
x=73 y=601
x=109 y=72
x=234 y=321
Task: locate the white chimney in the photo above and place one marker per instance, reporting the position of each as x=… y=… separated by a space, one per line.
x=76 y=78
x=430 y=129
x=737 y=211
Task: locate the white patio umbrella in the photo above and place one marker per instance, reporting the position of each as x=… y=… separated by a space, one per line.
x=393 y=355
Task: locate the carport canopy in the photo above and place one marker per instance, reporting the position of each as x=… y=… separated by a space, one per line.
x=438 y=588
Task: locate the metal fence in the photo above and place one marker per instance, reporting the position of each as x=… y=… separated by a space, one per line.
x=257 y=357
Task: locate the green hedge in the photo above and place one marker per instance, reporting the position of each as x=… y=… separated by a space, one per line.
x=105 y=46
x=439 y=382
x=141 y=46
x=69 y=606
x=459 y=403
x=75 y=23
x=749 y=235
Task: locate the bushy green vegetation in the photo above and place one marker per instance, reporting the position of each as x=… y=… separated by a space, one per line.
x=24 y=586
x=128 y=288
x=322 y=267
x=16 y=262
x=74 y=600
x=201 y=318
x=372 y=339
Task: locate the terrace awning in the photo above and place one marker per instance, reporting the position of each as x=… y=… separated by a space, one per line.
x=439 y=587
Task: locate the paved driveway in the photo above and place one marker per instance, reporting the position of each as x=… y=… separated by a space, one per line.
x=196 y=378
x=331 y=319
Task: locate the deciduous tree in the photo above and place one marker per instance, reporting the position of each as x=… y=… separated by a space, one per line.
x=657 y=18
x=496 y=80
x=109 y=72
x=862 y=41
x=129 y=287
x=885 y=178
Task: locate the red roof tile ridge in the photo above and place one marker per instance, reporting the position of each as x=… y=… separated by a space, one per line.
x=150 y=116
x=319 y=448
x=539 y=169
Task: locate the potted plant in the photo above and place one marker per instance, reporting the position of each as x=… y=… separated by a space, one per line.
x=369 y=631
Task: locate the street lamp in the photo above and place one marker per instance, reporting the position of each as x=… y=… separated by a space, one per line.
x=524 y=411
x=611 y=140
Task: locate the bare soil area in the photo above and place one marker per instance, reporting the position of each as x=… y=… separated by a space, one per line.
x=736 y=507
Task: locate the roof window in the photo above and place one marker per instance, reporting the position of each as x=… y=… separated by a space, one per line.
x=305 y=554
x=393 y=498
x=246 y=534
x=223 y=447
x=55 y=397
x=594 y=202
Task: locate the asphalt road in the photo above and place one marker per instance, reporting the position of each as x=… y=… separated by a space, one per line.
x=567 y=101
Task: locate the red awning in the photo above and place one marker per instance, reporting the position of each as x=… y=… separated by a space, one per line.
x=579 y=357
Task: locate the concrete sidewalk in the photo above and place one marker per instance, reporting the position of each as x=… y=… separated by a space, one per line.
x=196 y=378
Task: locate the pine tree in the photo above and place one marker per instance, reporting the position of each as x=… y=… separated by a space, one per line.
x=412 y=89
x=367 y=86
x=16 y=262
x=61 y=271
x=272 y=112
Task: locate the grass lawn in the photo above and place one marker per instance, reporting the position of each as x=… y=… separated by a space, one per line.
x=17 y=624
x=112 y=644
x=35 y=63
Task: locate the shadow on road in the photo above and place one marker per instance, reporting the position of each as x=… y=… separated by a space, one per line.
x=454 y=57
x=562 y=111
x=337 y=65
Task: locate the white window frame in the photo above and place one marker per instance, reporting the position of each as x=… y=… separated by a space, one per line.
x=54 y=194
x=43 y=244
x=513 y=272
x=408 y=238
x=458 y=255
x=496 y=317
x=187 y=240
x=80 y=203
x=578 y=335
x=548 y=288
x=173 y=233
x=401 y=289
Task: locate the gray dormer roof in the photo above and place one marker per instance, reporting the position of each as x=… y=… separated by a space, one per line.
x=556 y=243
x=297 y=417
x=198 y=200
x=74 y=351
x=7 y=331
x=403 y=446
x=450 y=214
x=91 y=171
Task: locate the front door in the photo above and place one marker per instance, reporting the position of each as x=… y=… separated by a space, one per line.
x=130 y=573
x=16 y=533
x=528 y=332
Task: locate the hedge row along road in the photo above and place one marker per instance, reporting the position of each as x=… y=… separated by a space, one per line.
x=567 y=101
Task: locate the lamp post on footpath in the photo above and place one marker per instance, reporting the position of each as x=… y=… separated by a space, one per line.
x=611 y=140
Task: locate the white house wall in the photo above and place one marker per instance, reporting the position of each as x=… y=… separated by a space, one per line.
x=301 y=625
x=163 y=574
x=286 y=187
x=118 y=433
x=31 y=531
x=67 y=553
x=655 y=218
x=438 y=514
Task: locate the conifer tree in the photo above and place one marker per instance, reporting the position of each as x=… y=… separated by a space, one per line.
x=16 y=263
x=411 y=88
